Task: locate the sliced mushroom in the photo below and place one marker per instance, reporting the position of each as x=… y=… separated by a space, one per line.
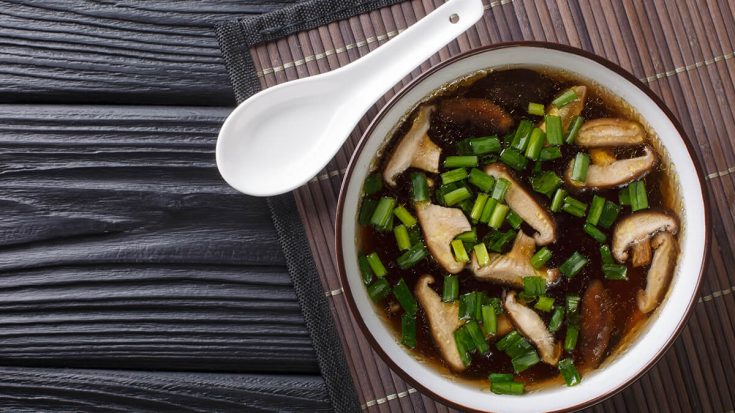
x=415 y=149
x=602 y=157
x=511 y=268
x=569 y=111
x=619 y=173
x=479 y=112
x=642 y=253
x=525 y=205
x=639 y=227
x=659 y=275
x=533 y=328
x=609 y=132
x=596 y=324
x=443 y=321
x=440 y=225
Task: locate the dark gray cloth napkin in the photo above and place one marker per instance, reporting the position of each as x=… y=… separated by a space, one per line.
x=235 y=39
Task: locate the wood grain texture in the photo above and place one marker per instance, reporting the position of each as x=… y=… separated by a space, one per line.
x=120 y=245
x=52 y=390
x=144 y=52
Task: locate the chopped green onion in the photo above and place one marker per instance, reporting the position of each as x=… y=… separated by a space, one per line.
x=379 y=290
x=500 y=377
x=534 y=286
x=574 y=207
x=376 y=265
x=546 y=183
x=570 y=340
x=537 y=109
x=624 y=195
x=481 y=180
x=460 y=162
x=556 y=319
x=573 y=265
x=366 y=210
x=488 y=159
x=458 y=195
x=553 y=130
x=537 y=168
x=638 y=197
x=615 y=271
x=488 y=210
x=489 y=320
x=404 y=297
x=522 y=135
x=574 y=128
x=514 y=159
x=544 y=304
x=477 y=336
x=540 y=258
x=464 y=343
x=550 y=153
x=402 y=213
x=466 y=205
x=365 y=270
x=419 y=187
x=468 y=236
x=414 y=234
x=454 y=175
x=609 y=214
x=412 y=257
x=463 y=147
x=525 y=361
x=510 y=388
x=535 y=144
x=565 y=98
x=373 y=184
x=498 y=241
x=569 y=372
x=484 y=145
x=558 y=200
x=606 y=255
x=572 y=303
x=408 y=330
x=498 y=216
x=514 y=220
x=383 y=212
x=581 y=165
x=460 y=254
x=478 y=206
x=571 y=210
x=595 y=233
x=596 y=207
x=496 y=304
x=501 y=188
x=402 y=239
x=451 y=288
x=470 y=306
x=513 y=344
x=483 y=258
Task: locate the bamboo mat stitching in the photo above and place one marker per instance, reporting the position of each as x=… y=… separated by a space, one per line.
x=388 y=398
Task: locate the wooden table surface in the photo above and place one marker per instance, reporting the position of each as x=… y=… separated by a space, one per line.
x=131 y=276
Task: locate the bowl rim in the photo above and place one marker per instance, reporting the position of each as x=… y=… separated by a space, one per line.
x=341 y=271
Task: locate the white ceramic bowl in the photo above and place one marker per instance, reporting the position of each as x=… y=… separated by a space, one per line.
x=663 y=327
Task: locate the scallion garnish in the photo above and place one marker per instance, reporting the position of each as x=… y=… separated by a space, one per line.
x=606 y=255
x=460 y=254
x=406 y=218
x=624 y=196
x=574 y=207
x=451 y=288
x=481 y=180
x=478 y=338
x=500 y=377
x=638 y=196
x=595 y=233
x=470 y=306
x=556 y=319
x=570 y=340
x=483 y=258
x=373 y=184
x=498 y=216
x=525 y=361
x=513 y=344
x=558 y=201
x=609 y=214
x=581 y=165
x=574 y=128
x=565 y=98
x=513 y=158
x=550 y=153
x=408 y=330
x=379 y=290
x=469 y=161
x=540 y=258
x=454 y=175
x=413 y=256
x=615 y=271
x=468 y=236
x=366 y=210
x=485 y=145
x=509 y=388
x=365 y=270
x=573 y=265
x=553 y=130
x=537 y=109
x=544 y=304
x=488 y=210
x=478 y=206
x=464 y=343
x=535 y=144
x=456 y=196
x=596 y=207
x=569 y=372
x=376 y=264
x=514 y=220
x=522 y=135
x=501 y=188
x=405 y=297
x=572 y=303
x=489 y=320
x=383 y=212
x=403 y=241
x=546 y=183
x=534 y=286
x=497 y=241
x=419 y=187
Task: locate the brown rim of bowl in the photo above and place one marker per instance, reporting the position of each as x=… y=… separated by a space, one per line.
x=615 y=68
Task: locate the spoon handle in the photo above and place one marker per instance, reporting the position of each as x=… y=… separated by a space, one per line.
x=381 y=69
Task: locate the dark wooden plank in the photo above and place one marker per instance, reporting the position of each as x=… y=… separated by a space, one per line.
x=121 y=246
x=145 y=52
x=30 y=389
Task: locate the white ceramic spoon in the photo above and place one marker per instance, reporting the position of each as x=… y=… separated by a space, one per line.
x=283 y=136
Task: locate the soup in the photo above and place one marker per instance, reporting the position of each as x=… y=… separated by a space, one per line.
x=518 y=229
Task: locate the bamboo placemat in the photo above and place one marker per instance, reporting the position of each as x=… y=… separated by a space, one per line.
x=682 y=49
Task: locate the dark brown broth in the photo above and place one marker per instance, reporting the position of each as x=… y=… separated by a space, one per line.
x=512 y=89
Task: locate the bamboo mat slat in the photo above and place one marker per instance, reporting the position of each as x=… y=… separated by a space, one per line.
x=683 y=49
